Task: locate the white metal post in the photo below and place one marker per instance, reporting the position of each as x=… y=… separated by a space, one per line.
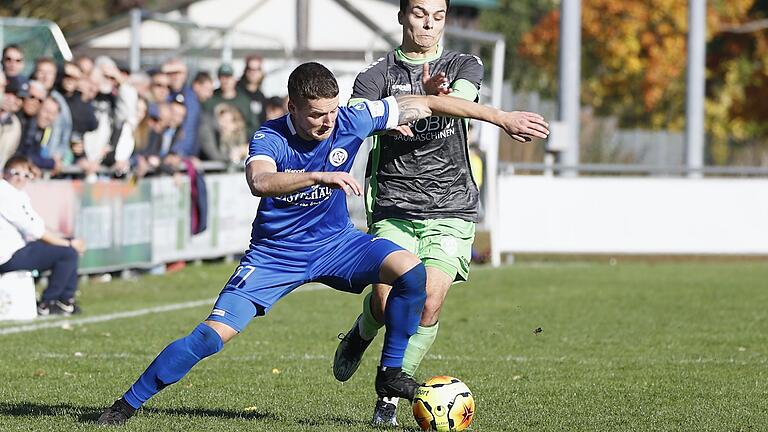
x=694 y=107
x=570 y=79
x=135 y=52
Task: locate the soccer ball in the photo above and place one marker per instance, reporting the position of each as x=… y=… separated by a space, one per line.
x=443 y=403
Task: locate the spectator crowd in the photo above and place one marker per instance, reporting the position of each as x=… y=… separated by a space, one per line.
x=94 y=118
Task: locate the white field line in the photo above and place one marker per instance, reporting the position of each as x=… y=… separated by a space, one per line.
x=120 y=315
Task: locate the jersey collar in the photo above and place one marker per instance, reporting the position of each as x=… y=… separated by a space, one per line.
x=290 y=124
x=400 y=55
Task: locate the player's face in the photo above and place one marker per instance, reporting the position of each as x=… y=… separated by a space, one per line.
x=423 y=23
x=314 y=119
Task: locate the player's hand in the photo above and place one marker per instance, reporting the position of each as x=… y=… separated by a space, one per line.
x=402 y=130
x=435 y=85
x=341 y=180
x=523 y=125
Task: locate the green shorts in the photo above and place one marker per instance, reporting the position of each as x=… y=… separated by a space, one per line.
x=445 y=244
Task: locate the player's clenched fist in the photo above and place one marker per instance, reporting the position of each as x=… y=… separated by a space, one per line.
x=340 y=180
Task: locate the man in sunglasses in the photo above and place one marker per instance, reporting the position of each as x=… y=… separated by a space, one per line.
x=25 y=243
x=13 y=64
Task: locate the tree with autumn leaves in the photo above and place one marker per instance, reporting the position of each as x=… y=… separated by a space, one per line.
x=634 y=65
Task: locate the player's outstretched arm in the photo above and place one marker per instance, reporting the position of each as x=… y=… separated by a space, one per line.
x=520 y=125
x=265 y=181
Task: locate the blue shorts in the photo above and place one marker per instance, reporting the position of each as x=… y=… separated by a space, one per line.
x=349 y=262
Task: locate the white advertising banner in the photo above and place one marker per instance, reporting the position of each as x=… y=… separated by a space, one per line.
x=632 y=215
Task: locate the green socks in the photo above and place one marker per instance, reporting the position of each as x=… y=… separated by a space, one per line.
x=368 y=325
x=418 y=346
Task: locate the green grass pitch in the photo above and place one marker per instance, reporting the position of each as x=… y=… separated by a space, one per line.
x=627 y=347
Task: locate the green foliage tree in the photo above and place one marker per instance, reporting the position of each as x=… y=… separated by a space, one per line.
x=514 y=18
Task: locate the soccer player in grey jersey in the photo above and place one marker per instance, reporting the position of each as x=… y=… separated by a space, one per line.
x=421 y=193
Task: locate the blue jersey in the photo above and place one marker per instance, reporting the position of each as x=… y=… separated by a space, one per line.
x=316 y=213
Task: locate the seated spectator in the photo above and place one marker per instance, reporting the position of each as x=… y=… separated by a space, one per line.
x=34 y=144
x=61 y=132
x=275 y=107
x=25 y=243
x=13 y=64
x=10 y=127
x=229 y=93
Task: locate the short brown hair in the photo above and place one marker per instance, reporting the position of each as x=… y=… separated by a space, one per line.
x=15 y=161
x=310 y=81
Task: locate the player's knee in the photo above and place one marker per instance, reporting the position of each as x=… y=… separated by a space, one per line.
x=223 y=331
x=432 y=307
x=413 y=282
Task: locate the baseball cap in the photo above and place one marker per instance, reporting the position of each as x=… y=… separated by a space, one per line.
x=18 y=87
x=225 y=69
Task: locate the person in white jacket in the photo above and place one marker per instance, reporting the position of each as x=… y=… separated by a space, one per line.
x=25 y=243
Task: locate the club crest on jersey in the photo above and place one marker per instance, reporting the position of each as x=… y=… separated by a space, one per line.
x=401 y=87
x=338 y=156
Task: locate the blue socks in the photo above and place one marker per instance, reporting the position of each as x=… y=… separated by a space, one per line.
x=173 y=363
x=402 y=314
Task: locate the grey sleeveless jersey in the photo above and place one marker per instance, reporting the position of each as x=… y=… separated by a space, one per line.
x=426 y=176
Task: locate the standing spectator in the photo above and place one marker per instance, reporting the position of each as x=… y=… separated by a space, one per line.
x=166 y=130
x=61 y=133
x=141 y=82
x=159 y=87
x=275 y=107
x=250 y=84
x=233 y=138
x=35 y=143
x=229 y=93
x=202 y=85
x=32 y=94
x=13 y=64
x=83 y=115
x=85 y=64
x=125 y=121
x=97 y=143
x=10 y=127
x=187 y=145
x=141 y=133
x=25 y=243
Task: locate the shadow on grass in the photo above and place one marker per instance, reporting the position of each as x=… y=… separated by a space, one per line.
x=89 y=414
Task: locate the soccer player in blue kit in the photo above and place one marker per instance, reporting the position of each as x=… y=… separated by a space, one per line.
x=299 y=165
